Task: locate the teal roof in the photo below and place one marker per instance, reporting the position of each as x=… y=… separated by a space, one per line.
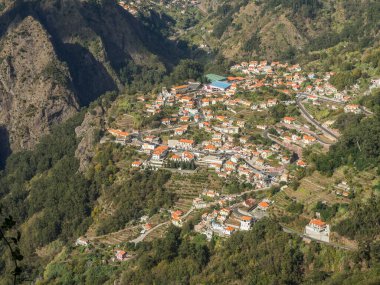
x=214 y=77
x=220 y=84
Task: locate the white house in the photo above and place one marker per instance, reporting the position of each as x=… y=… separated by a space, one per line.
x=82 y=242
x=245 y=223
x=318 y=230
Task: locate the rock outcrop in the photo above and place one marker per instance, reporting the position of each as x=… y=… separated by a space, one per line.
x=88 y=133
x=59 y=55
x=35 y=87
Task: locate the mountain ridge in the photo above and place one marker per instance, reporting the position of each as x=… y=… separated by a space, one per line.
x=93 y=46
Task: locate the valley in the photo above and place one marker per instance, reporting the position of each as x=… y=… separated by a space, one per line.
x=189 y=142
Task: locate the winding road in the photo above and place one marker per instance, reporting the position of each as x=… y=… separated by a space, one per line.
x=144 y=235
x=310 y=119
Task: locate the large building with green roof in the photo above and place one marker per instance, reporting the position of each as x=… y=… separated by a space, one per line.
x=214 y=77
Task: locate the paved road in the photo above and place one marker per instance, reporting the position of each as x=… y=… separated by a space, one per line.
x=292 y=231
x=310 y=118
x=293 y=148
x=144 y=235
x=306 y=131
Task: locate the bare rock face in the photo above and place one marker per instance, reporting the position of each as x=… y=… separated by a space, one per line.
x=35 y=87
x=57 y=55
x=88 y=133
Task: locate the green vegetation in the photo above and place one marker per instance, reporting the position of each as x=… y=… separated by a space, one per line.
x=225 y=13
x=53 y=203
x=328 y=212
x=181 y=164
x=344 y=79
x=253 y=43
x=372 y=101
x=363 y=221
x=9 y=245
x=306 y=8
x=46 y=190
x=55 y=71
x=264 y=255
x=347 y=120
x=279 y=111
x=185 y=70
x=358 y=146
x=295 y=208
x=143 y=193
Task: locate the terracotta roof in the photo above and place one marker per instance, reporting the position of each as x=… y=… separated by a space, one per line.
x=180 y=87
x=264 y=204
x=246 y=218
x=118 y=132
x=317 y=222
x=186 y=141
x=309 y=138
x=160 y=149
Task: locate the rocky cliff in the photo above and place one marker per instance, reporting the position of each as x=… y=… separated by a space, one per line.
x=35 y=87
x=58 y=55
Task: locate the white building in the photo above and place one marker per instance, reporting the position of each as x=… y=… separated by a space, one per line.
x=82 y=242
x=319 y=230
x=246 y=223
x=199 y=203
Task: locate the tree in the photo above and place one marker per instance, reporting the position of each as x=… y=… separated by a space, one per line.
x=11 y=244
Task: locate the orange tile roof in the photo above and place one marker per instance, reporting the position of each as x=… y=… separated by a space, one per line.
x=309 y=138
x=188 y=155
x=246 y=218
x=180 y=87
x=210 y=146
x=264 y=204
x=317 y=222
x=186 y=141
x=160 y=149
x=232 y=78
x=301 y=163
x=177 y=214
x=118 y=132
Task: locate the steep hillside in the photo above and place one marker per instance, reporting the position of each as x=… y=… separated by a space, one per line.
x=58 y=55
x=35 y=89
x=280 y=29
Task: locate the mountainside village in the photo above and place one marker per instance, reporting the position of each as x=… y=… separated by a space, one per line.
x=214 y=126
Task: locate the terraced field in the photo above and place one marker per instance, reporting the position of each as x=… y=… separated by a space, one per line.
x=118 y=237
x=158 y=233
x=281 y=201
x=125 y=122
x=315 y=188
x=187 y=187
